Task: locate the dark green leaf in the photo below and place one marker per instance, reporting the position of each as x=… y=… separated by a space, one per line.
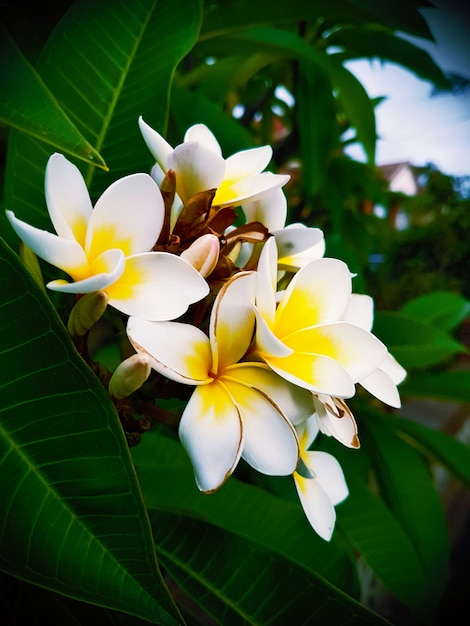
x=452 y=386
x=444 y=309
x=445 y=449
x=241 y=508
x=71 y=516
x=414 y=343
x=407 y=486
x=376 y=43
x=226 y=16
x=27 y=104
x=107 y=63
x=240 y=583
x=316 y=120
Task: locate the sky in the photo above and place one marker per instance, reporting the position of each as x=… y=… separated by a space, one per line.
x=412 y=124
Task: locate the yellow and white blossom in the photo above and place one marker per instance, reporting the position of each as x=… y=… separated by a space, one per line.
x=381 y=382
x=108 y=247
x=320 y=482
x=304 y=338
x=238 y=409
x=199 y=165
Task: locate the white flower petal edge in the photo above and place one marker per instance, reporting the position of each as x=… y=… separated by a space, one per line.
x=158 y=146
x=181 y=352
x=157 y=286
x=298 y=245
x=211 y=432
x=320 y=494
x=66 y=254
x=67 y=198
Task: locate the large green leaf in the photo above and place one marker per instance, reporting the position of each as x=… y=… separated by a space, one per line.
x=444 y=309
x=107 y=63
x=445 y=449
x=71 y=515
x=316 y=120
x=407 y=486
x=452 y=386
x=240 y=583
x=357 y=43
x=27 y=104
x=240 y=508
x=227 y=16
x=414 y=343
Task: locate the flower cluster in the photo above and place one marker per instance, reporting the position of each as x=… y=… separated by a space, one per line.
x=193 y=257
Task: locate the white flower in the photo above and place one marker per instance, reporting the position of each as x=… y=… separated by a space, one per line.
x=381 y=382
x=108 y=247
x=199 y=165
x=304 y=338
x=320 y=482
x=237 y=409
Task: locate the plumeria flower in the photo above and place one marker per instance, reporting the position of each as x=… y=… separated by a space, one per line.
x=199 y=165
x=237 y=409
x=382 y=382
x=298 y=245
x=108 y=247
x=334 y=419
x=303 y=338
x=320 y=482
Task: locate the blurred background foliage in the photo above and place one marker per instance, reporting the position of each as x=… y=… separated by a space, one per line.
x=75 y=76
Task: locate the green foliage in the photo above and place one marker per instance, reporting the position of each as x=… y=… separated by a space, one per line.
x=75 y=505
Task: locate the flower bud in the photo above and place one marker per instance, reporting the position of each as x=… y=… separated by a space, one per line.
x=203 y=254
x=129 y=376
x=86 y=312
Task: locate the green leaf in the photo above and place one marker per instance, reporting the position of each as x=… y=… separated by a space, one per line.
x=316 y=121
x=444 y=309
x=398 y=15
x=240 y=508
x=357 y=105
x=407 y=486
x=226 y=16
x=453 y=386
x=445 y=449
x=107 y=63
x=238 y=582
x=358 y=43
x=414 y=343
x=72 y=518
x=27 y=104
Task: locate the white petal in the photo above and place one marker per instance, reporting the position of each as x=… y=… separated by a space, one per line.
x=298 y=245
x=295 y=403
x=317 y=373
x=270 y=443
x=266 y=281
x=129 y=215
x=232 y=320
x=211 y=433
x=328 y=473
x=358 y=351
x=317 y=505
x=248 y=189
x=336 y=420
x=179 y=351
x=67 y=198
x=247 y=163
x=307 y=431
x=201 y=134
x=270 y=210
x=360 y=311
x=160 y=148
x=267 y=344
x=157 y=286
x=391 y=367
x=380 y=385
x=105 y=271
x=197 y=169
x=318 y=293
x=65 y=254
